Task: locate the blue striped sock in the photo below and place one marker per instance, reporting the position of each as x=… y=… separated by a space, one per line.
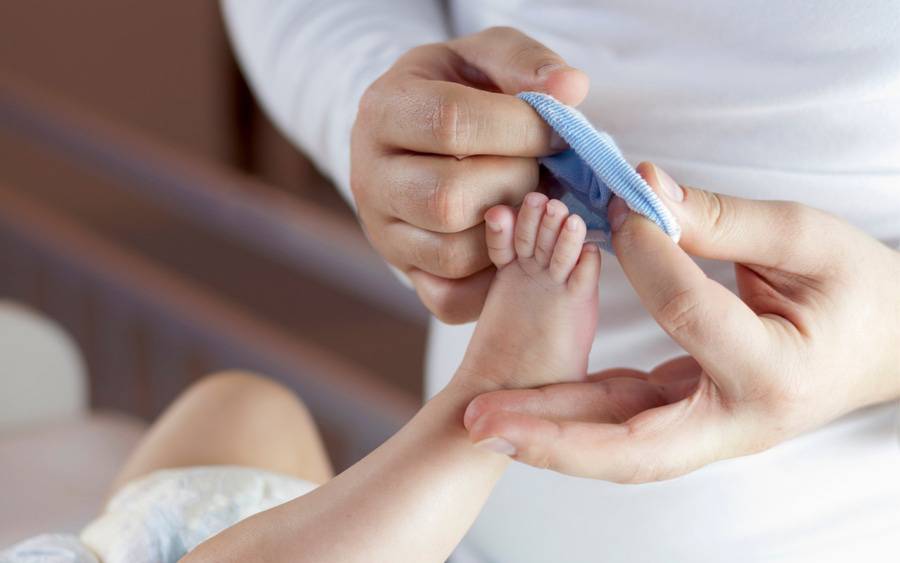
x=593 y=169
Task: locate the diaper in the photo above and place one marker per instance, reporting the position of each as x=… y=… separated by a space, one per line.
x=163 y=516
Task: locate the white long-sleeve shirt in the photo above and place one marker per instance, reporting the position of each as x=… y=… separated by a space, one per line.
x=795 y=100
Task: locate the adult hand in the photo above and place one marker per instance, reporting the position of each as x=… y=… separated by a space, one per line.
x=437 y=141
x=813 y=334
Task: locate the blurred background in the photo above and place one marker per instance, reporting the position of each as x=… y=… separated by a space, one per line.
x=155 y=227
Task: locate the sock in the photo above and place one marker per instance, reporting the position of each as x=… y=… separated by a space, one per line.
x=593 y=169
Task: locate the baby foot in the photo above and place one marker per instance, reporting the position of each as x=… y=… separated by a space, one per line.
x=540 y=316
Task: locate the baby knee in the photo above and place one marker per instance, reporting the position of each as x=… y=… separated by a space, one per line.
x=245 y=391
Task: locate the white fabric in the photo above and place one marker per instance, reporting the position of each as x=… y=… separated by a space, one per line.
x=163 y=516
x=786 y=100
x=310 y=61
x=42 y=375
x=49 y=548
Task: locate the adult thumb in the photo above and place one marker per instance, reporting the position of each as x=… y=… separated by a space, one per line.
x=710 y=322
x=765 y=233
x=515 y=63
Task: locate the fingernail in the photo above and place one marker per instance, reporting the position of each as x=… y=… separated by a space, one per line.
x=497 y=445
x=496 y=227
x=547 y=69
x=557 y=143
x=572 y=223
x=617 y=212
x=669 y=186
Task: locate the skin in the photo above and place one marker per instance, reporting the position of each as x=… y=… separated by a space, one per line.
x=438 y=141
x=410 y=500
x=435 y=144
x=552 y=338
x=415 y=496
x=813 y=334
x=232 y=418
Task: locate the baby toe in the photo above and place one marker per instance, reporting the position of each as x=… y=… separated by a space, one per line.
x=568 y=248
x=586 y=274
x=499 y=224
x=548 y=231
x=527 y=223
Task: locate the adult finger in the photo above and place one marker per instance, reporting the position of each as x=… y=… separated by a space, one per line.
x=515 y=62
x=446 y=194
x=677 y=378
x=778 y=234
x=448 y=255
x=611 y=399
x=431 y=116
x=707 y=320
x=657 y=444
x=680 y=368
x=453 y=301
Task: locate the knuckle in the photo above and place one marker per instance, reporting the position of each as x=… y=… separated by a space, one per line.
x=678 y=314
x=445 y=205
x=450 y=124
x=717 y=213
x=369 y=103
x=806 y=230
x=797 y=225
x=796 y=212
x=800 y=221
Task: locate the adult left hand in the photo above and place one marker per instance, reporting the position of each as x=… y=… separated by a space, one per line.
x=813 y=333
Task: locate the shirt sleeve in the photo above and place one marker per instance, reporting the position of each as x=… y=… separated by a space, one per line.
x=309 y=61
x=49 y=548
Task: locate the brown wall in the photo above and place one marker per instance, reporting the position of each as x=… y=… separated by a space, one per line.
x=163 y=70
x=161 y=66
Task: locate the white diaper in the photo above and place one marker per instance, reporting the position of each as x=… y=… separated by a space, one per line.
x=163 y=516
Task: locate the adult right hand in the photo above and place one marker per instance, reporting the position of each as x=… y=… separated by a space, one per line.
x=437 y=141
x=812 y=334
